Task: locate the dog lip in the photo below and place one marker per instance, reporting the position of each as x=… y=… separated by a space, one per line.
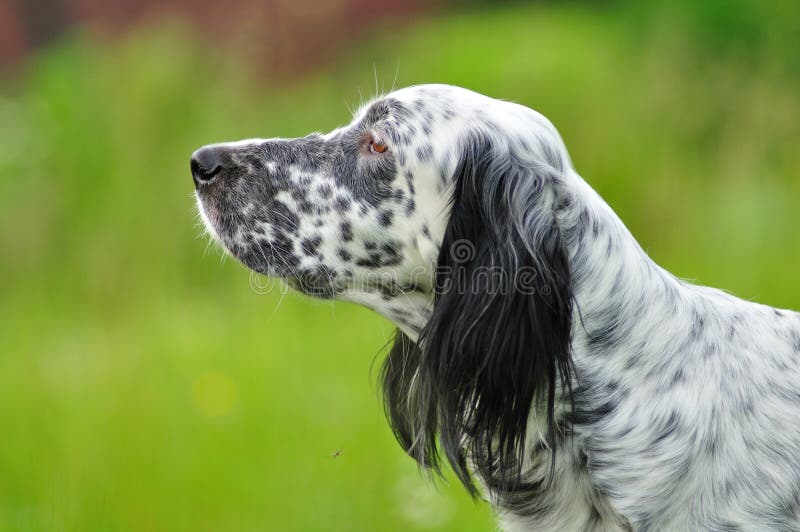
x=209 y=215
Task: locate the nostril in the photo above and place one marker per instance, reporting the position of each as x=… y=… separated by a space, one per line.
x=202 y=174
x=205 y=165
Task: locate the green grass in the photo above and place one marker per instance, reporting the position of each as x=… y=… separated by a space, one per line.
x=145 y=385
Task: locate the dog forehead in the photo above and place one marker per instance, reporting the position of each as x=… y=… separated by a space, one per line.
x=410 y=103
x=439 y=96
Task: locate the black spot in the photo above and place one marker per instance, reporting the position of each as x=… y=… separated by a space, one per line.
x=410 y=182
x=564 y=202
x=281 y=240
x=344 y=254
x=341 y=204
x=399 y=195
x=379 y=110
x=611 y=247
x=425 y=152
x=309 y=246
x=633 y=360
x=385 y=218
x=347 y=231
x=390 y=248
x=373 y=260
x=669 y=428
x=710 y=350
x=315 y=282
x=388 y=292
x=698 y=326
x=608 y=334
x=397 y=311
x=283 y=217
x=369 y=245
x=411 y=206
x=595 y=228
x=325 y=191
x=586 y=412
x=391 y=253
x=584 y=221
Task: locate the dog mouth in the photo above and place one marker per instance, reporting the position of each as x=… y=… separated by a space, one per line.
x=262 y=255
x=209 y=216
x=223 y=233
x=268 y=250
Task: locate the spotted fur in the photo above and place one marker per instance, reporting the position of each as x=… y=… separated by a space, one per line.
x=566 y=377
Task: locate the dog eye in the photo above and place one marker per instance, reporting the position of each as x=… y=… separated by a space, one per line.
x=376 y=146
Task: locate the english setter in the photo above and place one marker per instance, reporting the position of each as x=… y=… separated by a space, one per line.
x=564 y=376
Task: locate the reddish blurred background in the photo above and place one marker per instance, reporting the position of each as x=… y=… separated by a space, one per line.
x=291 y=34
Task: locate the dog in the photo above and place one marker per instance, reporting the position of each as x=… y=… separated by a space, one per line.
x=562 y=374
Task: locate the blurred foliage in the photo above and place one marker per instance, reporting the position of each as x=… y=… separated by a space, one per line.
x=147 y=385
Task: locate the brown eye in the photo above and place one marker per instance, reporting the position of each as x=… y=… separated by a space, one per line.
x=376 y=146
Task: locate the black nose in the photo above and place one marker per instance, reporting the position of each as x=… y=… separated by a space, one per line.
x=206 y=163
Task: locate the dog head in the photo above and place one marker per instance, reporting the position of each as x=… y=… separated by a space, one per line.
x=436 y=207
x=355 y=214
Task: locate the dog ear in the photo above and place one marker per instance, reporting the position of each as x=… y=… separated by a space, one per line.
x=408 y=407
x=498 y=340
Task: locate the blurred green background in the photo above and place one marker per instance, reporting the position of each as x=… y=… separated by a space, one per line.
x=146 y=384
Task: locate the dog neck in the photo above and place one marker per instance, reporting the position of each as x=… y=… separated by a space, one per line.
x=621 y=295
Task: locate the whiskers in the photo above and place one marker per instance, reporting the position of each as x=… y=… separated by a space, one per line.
x=378 y=90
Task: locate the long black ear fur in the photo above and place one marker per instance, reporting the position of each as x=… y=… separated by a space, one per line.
x=498 y=341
